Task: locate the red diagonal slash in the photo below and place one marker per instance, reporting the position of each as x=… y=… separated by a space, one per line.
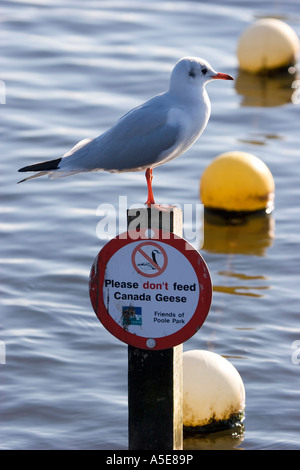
x=159 y=269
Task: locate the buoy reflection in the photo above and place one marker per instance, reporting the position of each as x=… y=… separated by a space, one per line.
x=249 y=234
x=268 y=90
x=227 y=439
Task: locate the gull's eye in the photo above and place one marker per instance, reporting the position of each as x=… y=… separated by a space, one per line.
x=204 y=71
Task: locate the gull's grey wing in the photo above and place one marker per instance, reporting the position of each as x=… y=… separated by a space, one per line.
x=135 y=142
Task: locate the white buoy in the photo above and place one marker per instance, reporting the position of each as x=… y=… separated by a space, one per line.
x=213 y=390
x=267 y=44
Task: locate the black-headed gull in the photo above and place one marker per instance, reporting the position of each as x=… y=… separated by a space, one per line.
x=149 y=135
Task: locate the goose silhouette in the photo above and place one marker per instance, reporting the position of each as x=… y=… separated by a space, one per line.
x=147 y=264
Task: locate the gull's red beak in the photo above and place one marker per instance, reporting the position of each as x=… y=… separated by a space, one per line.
x=222 y=76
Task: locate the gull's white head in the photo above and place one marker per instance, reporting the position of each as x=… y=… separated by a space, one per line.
x=191 y=72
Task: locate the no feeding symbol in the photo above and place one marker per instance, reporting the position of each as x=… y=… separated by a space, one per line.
x=149 y=259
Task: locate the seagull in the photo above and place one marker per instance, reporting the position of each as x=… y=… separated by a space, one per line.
x=149 y=135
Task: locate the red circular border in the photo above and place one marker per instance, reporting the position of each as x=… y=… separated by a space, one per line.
x=97 y=276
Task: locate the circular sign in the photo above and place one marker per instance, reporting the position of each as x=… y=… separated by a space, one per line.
x=150 y=293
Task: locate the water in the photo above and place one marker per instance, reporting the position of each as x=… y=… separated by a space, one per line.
x=70 y=70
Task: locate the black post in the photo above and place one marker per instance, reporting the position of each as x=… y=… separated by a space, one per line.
x=155 y=377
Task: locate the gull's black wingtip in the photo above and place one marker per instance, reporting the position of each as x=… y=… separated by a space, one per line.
x=42 y=166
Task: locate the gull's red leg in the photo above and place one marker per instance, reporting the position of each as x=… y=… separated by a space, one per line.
x=149 y=178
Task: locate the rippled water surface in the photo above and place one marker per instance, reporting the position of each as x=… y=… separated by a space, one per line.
x=69 y=71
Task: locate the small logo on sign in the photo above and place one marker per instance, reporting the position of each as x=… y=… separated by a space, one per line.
x=131 y=316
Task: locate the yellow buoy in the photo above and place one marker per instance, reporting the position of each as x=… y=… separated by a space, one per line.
x=237 y=181
x=268 y=44
x=213 y=391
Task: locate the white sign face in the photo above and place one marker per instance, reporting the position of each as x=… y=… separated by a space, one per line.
x=151 y=293
x=162 y=294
